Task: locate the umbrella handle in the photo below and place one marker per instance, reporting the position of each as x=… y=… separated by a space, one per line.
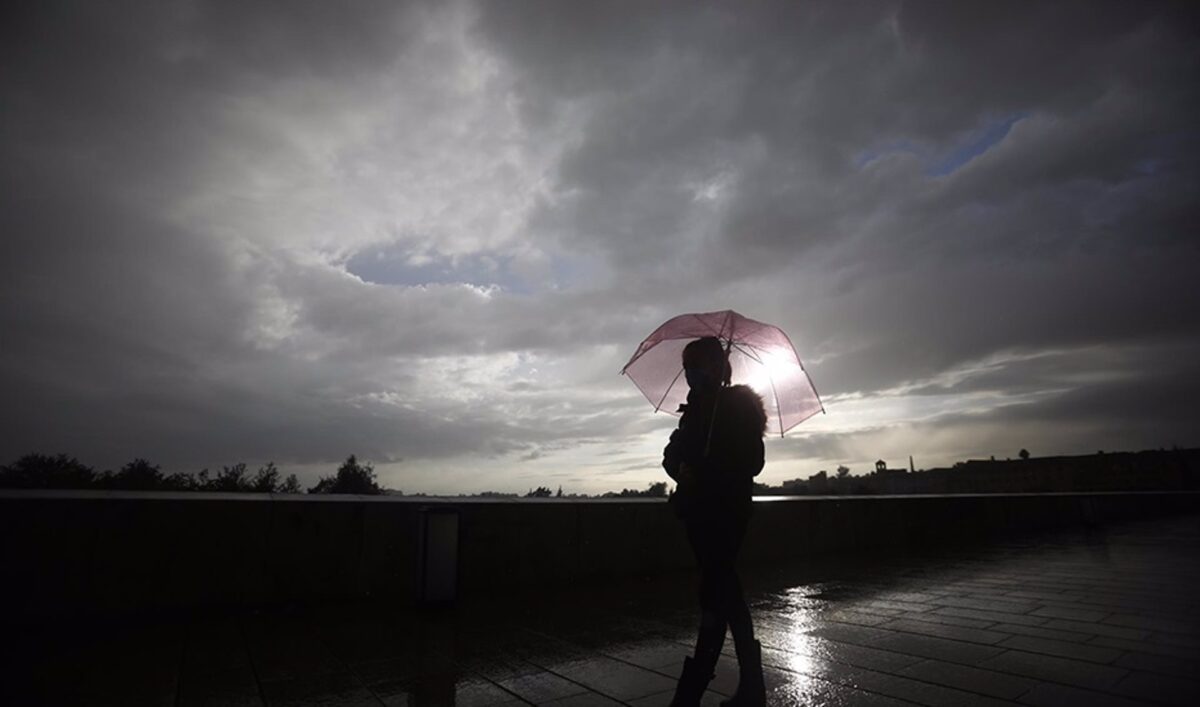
x=712 y=419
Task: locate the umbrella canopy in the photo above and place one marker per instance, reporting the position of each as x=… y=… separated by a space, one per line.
x=761 y=356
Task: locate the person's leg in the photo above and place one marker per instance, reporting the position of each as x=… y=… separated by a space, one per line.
x=737 y=612
x=738 y=615
x=713 y=619
x=698 y=669
x=751 y=689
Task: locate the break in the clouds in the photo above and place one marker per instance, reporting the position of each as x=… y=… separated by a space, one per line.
x=431 y=233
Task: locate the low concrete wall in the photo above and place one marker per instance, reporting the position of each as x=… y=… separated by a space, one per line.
x=79 y=552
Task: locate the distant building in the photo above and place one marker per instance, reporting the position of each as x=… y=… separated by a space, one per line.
x=1176 y=469
x=818 y=483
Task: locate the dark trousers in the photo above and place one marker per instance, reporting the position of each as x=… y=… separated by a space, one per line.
x=716 y=537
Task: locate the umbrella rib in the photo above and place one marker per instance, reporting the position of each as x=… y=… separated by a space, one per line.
x=636 y=355
x=717 y=332
x=806 y=376
x=778 y=407
x=749 y=350
x=814 y=389
x=658 y=406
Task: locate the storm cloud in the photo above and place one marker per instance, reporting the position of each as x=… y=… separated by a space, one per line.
x=431 y=233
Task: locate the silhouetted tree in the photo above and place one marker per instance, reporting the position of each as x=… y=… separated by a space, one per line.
x=266 y=480
x=658 y=489
x=351 y=477
x=180 y=481
x=559 y=494
x=1024 y=454
x=540 y=492
x=231 y=478
x=137 y=475
x=843 y=472
x=40 y=471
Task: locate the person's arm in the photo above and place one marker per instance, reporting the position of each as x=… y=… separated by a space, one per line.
x=756 y=457
x=673 y=455
x=682 y=457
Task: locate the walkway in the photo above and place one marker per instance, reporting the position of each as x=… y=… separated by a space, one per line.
x=1109 y=617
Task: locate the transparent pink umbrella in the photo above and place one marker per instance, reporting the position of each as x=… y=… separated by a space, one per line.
x=761 y=356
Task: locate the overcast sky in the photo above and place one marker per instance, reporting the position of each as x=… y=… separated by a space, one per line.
x=431 y=234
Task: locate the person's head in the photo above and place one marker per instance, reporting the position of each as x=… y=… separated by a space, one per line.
x=705 y=363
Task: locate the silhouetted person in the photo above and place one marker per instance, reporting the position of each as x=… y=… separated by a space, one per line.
x=713 y=456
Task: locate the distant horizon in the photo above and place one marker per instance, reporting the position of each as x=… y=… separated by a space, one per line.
x=323 y=470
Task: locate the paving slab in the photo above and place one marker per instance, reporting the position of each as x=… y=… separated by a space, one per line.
x=235 y=687
x=1054 y=695
x=1160 y=688
x=1061 y=670
x=992 y=616
x=1042 y=632
x=614 y=678
x=918 y=691
x=1074 y=614
x=959 y=633
x=1065 y=649
x=964 y=677
x=541 y=687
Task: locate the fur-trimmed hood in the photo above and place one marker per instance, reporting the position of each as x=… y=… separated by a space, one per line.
x=746 y=401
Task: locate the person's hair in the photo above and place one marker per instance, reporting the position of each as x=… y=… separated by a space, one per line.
x=708 y=349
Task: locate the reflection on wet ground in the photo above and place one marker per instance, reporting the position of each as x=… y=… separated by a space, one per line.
x=1106 y=617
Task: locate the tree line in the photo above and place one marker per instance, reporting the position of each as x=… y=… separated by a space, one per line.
x=658 y=489
x=61 y=471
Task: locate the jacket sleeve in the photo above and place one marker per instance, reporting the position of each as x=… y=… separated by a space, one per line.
x=685 y=445
x=673 y=455
x=755 y=452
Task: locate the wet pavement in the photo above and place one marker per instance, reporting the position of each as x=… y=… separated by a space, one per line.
x=1104 y=617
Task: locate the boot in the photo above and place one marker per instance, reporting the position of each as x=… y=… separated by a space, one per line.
x=693 y=681
x=751 y=692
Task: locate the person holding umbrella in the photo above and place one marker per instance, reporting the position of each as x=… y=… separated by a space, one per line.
x=689 y=362
x=713 y=456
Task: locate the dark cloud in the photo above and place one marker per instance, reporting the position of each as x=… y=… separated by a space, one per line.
x=298 y=230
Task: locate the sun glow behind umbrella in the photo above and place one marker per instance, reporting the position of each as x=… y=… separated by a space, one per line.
x=775 y=366
x=771 y=372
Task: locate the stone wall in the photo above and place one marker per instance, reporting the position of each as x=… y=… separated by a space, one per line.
x=78 y=552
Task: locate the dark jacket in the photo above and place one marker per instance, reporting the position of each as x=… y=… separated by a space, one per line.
x=722 y=479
